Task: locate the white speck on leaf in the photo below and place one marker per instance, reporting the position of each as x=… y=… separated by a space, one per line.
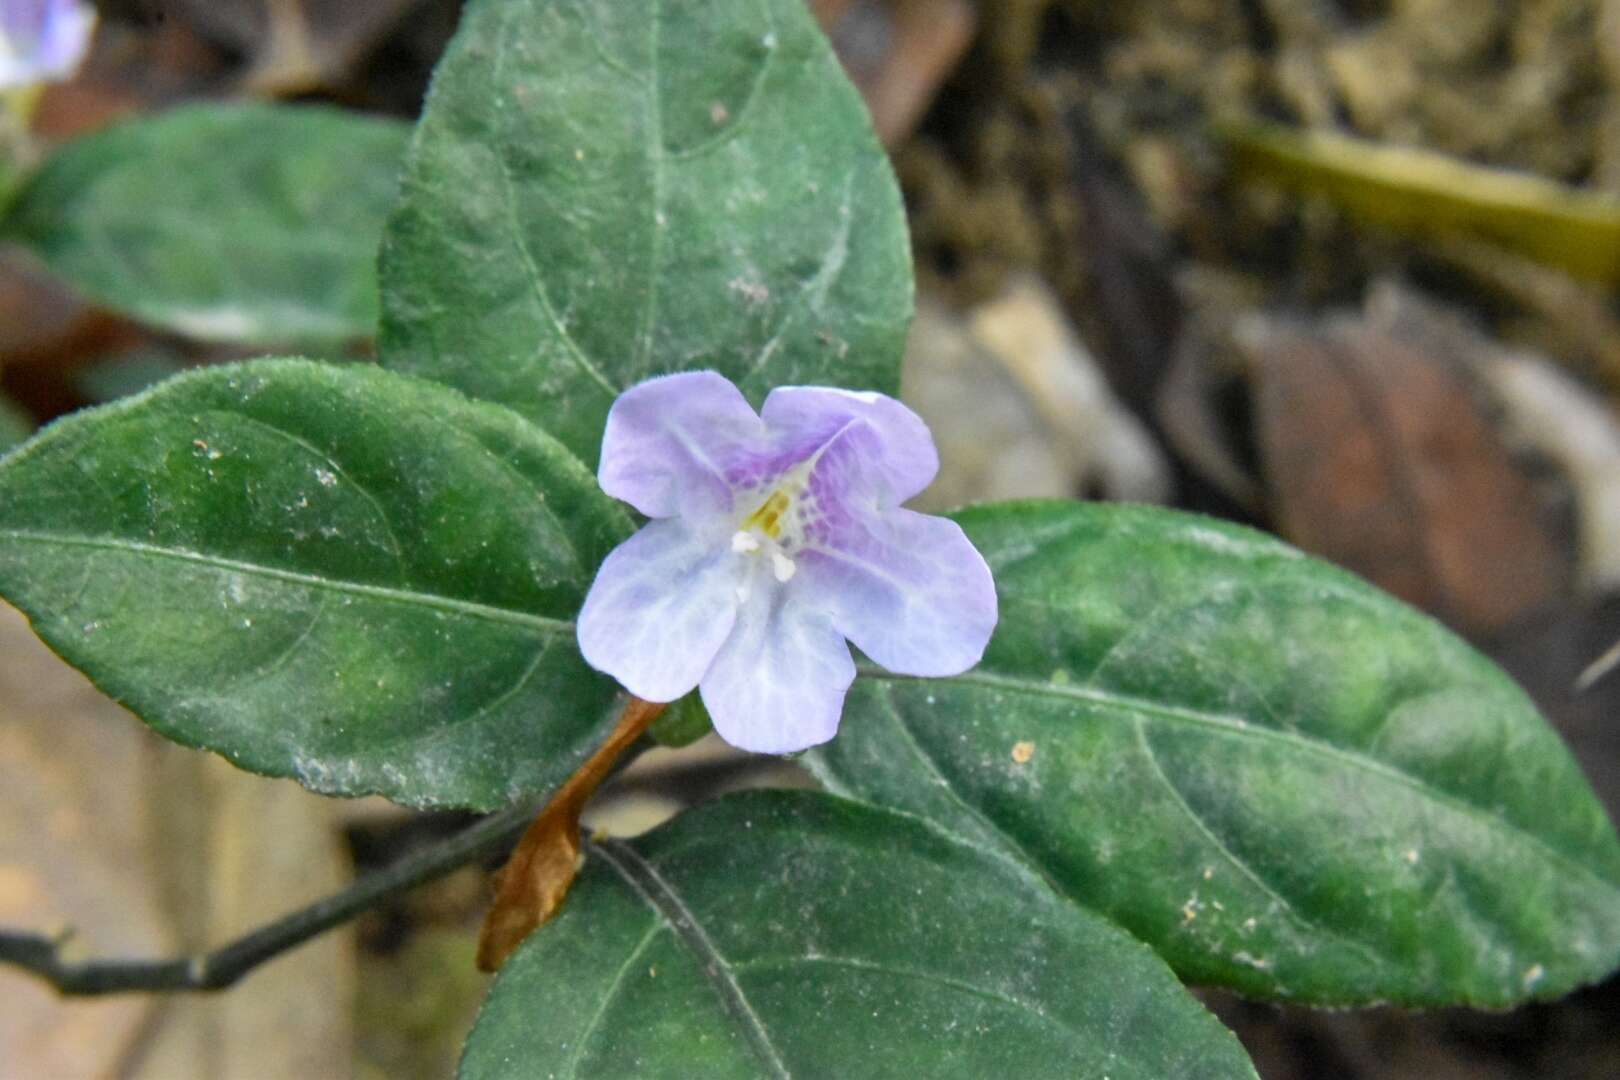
x=1259 y=963
x=754 y=292
x=1217 y=541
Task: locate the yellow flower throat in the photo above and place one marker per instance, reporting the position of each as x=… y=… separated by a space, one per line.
x=762 y=531
x=768 y=518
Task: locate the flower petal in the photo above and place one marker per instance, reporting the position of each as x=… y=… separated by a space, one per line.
x=910 y=590
x=65 y=38
x=671 y=443
x=904 y=460
x=45 y=40
x=661 y=606
x=778 y=685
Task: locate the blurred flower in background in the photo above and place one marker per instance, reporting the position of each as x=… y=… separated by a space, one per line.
x=42 y=40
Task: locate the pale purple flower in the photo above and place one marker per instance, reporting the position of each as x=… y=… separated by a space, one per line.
x=774 y=537
x=42 y=40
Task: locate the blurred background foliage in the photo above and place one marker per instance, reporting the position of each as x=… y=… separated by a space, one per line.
x=1342 y=269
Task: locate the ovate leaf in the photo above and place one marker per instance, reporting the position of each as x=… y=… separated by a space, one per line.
x=780 y=934
x=604 y=190
x=243 y=223
x=350 y=577
x=1284 y=780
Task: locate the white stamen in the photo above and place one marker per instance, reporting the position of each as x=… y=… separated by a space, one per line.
x=744 y=543
x=783 y=567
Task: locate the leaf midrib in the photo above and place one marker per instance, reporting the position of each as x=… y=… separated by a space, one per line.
x=1236 y=727
x=659 y=895
x=520 y=239
x=470 y=608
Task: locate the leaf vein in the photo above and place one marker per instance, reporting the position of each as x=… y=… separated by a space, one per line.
x=472 y=609
x=938 y=978
x=422 y=741
x=336 y=467
x=1014 y=853
x=655 y=231
x=285 y=653
x=1287 y=906
x=578 y=1055
x=520 y=238
x=659 y=895
x=745 y=112
x=814 y=291
x=600 y=48
x=1233 y=727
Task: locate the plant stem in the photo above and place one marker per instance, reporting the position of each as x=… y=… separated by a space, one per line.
x=216 y=970
x=543 y=866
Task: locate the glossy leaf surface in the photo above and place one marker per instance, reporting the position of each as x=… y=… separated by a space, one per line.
x=1284 y=780
x=353 y=578
x=249 y=224
x=604 y=190
x=795 y=934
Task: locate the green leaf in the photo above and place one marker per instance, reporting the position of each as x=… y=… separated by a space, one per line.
x=244 y=223
x=15 y=425
x=1425 y=193
x=346 y=576
x=604 y=190
x=107 y=380
x=685 y=722
x=1284 y=780
x=792 y=933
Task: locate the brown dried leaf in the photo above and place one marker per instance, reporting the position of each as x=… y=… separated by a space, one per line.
x=298 y=45
x=47 y=335
x=1186 y=410
x=828 y=12
x=898 y=52
x=1380 y=457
